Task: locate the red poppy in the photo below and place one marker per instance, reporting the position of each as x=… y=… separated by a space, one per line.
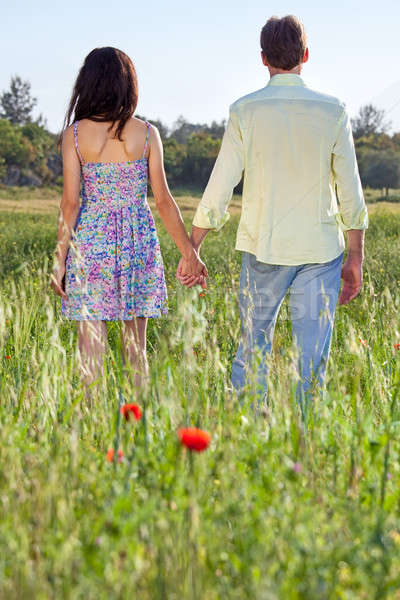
x=110 y=455
x=202 y=294
x=396 y=346
x=131 y=409
x=364 y=343
x=8 y=357
x=194 y=439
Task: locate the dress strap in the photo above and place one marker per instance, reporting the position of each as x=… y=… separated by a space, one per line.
x=147 y=139
x=76 y=142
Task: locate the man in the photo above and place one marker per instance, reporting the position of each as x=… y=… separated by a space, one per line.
x=295 y=147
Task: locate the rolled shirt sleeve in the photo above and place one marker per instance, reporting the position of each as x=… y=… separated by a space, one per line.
x=212 y=210
x=353 y=212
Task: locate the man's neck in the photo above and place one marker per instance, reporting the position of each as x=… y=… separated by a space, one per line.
x=295 y=71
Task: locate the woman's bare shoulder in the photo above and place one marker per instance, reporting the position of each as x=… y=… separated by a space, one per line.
x=68 y=135
x=136 y=124
x=143 y=124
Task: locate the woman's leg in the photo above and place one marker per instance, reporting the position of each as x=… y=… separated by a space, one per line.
x=134 y=344
x=92 y=340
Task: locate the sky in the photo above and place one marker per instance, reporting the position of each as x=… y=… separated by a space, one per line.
x=195 y=58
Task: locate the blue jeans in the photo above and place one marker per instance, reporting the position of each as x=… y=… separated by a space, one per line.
x=314 y=292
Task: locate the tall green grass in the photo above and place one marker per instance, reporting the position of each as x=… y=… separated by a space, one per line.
x=277 y=507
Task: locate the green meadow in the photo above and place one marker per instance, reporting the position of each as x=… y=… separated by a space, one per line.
x=283 y=504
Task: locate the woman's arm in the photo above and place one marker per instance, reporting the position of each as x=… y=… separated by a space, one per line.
x=168 y=209
x=69 y=208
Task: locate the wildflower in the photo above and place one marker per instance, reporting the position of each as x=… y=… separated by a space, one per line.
x=8 y=357
x=396 y=346
x=364 y=343
x=389 y=476
x=194 y=439
x=131 y=409
x=297 y=467
x=110 y=455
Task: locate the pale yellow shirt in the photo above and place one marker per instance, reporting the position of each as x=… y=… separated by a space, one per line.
x=293 y=144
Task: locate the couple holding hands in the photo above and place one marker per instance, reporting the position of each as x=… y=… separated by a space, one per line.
x=301 y=195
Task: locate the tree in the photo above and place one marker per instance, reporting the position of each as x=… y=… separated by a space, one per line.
x=44 y=149
x=174 y=160
x=3 y=168
x=17 y=104
x=202 y=151
x=396 y=141
x=370 y=120
x=216 y=129
x=14 y=149
x=380 y=170
x=16 y=152
x=183 y=130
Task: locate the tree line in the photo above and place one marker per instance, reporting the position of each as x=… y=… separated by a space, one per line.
x=29 y=154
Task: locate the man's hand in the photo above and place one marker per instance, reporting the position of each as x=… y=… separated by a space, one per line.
x=184 y=272
x=352 y=278
x=191 y=280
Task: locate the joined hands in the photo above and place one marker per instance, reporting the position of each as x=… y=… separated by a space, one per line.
x=192 y=271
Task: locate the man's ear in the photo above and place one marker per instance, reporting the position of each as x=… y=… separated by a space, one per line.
x=264 y=59
x=306 y=55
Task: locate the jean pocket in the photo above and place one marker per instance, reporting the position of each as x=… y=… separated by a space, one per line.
x=261 y=267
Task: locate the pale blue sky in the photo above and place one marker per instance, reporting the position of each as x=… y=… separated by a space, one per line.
x=196 y=58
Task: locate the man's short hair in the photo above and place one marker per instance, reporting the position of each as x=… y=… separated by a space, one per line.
x=283 y=42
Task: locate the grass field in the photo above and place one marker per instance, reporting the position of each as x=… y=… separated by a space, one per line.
x=282 y=505
x=47 y=200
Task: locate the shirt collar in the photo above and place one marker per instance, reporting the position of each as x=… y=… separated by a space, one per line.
x=286 y=79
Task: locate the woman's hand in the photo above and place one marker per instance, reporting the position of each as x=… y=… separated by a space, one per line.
x=191 y=271
x=57 y=281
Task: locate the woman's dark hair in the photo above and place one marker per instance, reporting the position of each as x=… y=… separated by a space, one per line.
x=106 y=89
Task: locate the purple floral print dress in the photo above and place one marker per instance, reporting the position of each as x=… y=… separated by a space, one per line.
x=114 y=267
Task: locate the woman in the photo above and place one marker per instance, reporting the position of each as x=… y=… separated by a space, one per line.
x=108 y=260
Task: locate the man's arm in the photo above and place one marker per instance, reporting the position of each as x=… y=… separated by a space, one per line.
x=212 y=210
x=211 y=213
x=353 y=214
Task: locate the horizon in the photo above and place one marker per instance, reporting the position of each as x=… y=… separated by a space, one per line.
x=200 y=80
